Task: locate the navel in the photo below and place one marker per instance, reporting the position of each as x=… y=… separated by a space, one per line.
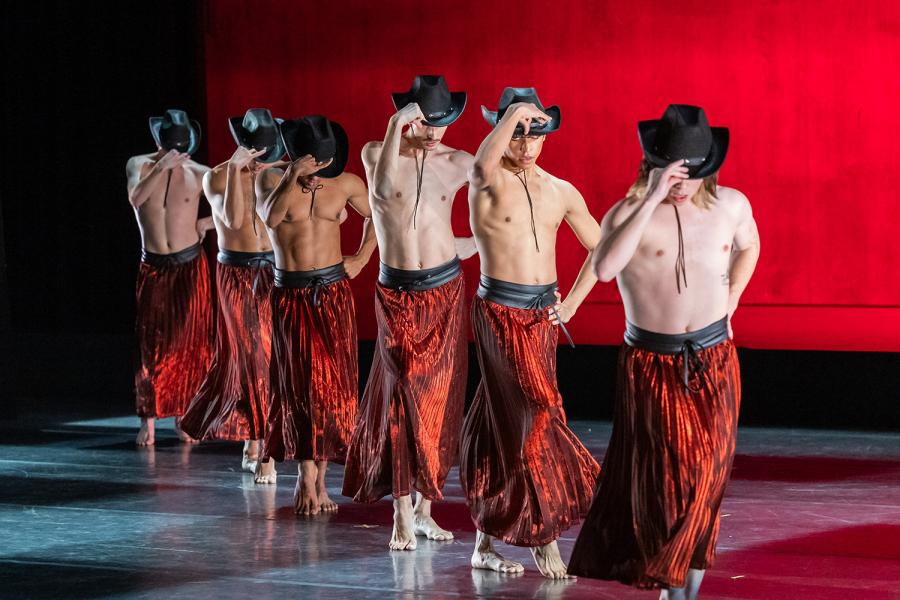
x=660 y=252
x=399 y=195
x=443 y=198
x=507 y=219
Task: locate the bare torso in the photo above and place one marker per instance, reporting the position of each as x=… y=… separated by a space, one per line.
x=431 y=241
x=304 y=242
x=648 y=284
x=251 y=236
x=168 y=219
x=501 y=222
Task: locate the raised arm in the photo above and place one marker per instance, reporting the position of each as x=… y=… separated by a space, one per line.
x=141 y=183
x=384 y=174
x=359 y=200
x=747 y=248
x=587 y=230
x=621 y=231
x=486 y=165
x=272 y=204
x=234 y=205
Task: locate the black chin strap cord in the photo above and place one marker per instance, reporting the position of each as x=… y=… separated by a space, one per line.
x=524 y=181
x=420 y=175
x=312 y=202
x=680 y=268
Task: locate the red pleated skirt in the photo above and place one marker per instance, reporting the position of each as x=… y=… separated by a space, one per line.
x=526 y=476
x=174 y=335
x=407 y=434
x=314 y=373
x=233 y=401
x=656 y=511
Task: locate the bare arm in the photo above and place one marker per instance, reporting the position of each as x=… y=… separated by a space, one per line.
x=486 y=165
x=384 y=175
x=359 y=200
x=747 y=248
x=140 y=188
x=620 y=237
x=587 y=230
x=268 y=185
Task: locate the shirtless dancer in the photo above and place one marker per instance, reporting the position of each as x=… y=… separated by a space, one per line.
x=655 y=518
x=408 y=431
x=174 y=311
x=314 y=373
x=526 y=476
x=233 y=401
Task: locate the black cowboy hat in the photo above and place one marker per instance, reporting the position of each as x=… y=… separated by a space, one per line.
x=684 y=133
x=319 y=137
x=510 y=96
x=439 y=105
x=258 y=130
x=174 y=131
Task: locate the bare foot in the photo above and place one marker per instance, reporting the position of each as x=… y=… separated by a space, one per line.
x=425 y=524
x=549 y=562
x=250 y=457
x=185 y=438
x=145 y=436
x=327 y=504
x=265 y=471
x=485 y=557
x=403 y=537
x=306 y=501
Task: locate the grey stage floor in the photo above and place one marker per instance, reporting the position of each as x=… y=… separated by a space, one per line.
x=84 y=514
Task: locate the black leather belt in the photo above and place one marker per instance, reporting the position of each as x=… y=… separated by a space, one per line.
x=688 y=345
x=169 y=260
x=255 y=260
x=420 y=280
x=518 y=295
x=234 y=258
x=310 y=279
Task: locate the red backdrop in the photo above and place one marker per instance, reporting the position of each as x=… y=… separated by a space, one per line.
x=808 y=88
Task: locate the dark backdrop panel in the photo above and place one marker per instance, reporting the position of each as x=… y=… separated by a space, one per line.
x=81 y=80
x=808 y=88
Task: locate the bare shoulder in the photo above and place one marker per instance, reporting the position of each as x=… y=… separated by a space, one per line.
x=216 y=176
x=565 y=189
x=197 y=167
x=137 y=163
x=270 y=178
x=620 y=211
x=371 y=151
x=350 y=182
x=733 y=201
x=459 y=157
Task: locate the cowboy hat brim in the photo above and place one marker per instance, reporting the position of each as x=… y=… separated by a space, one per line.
x=457 y=106
x=341 y=142
x=236 y=125
x=555 y=114
x=717 y=150
x=156 y=125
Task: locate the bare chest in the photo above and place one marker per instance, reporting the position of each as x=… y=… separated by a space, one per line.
x=705 y=236
x=323 y=202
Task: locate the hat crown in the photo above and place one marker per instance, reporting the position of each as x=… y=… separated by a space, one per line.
x=683 y=132
x=432 y=95
x=312 y=135
x=513 y=95
x=257 y=118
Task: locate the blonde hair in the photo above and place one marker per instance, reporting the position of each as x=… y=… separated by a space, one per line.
x=704 y=198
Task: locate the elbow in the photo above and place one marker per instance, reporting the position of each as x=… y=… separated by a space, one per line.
x=602 y=269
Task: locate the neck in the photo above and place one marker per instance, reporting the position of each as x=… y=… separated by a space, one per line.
x=409 y=144
x=515 y=168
